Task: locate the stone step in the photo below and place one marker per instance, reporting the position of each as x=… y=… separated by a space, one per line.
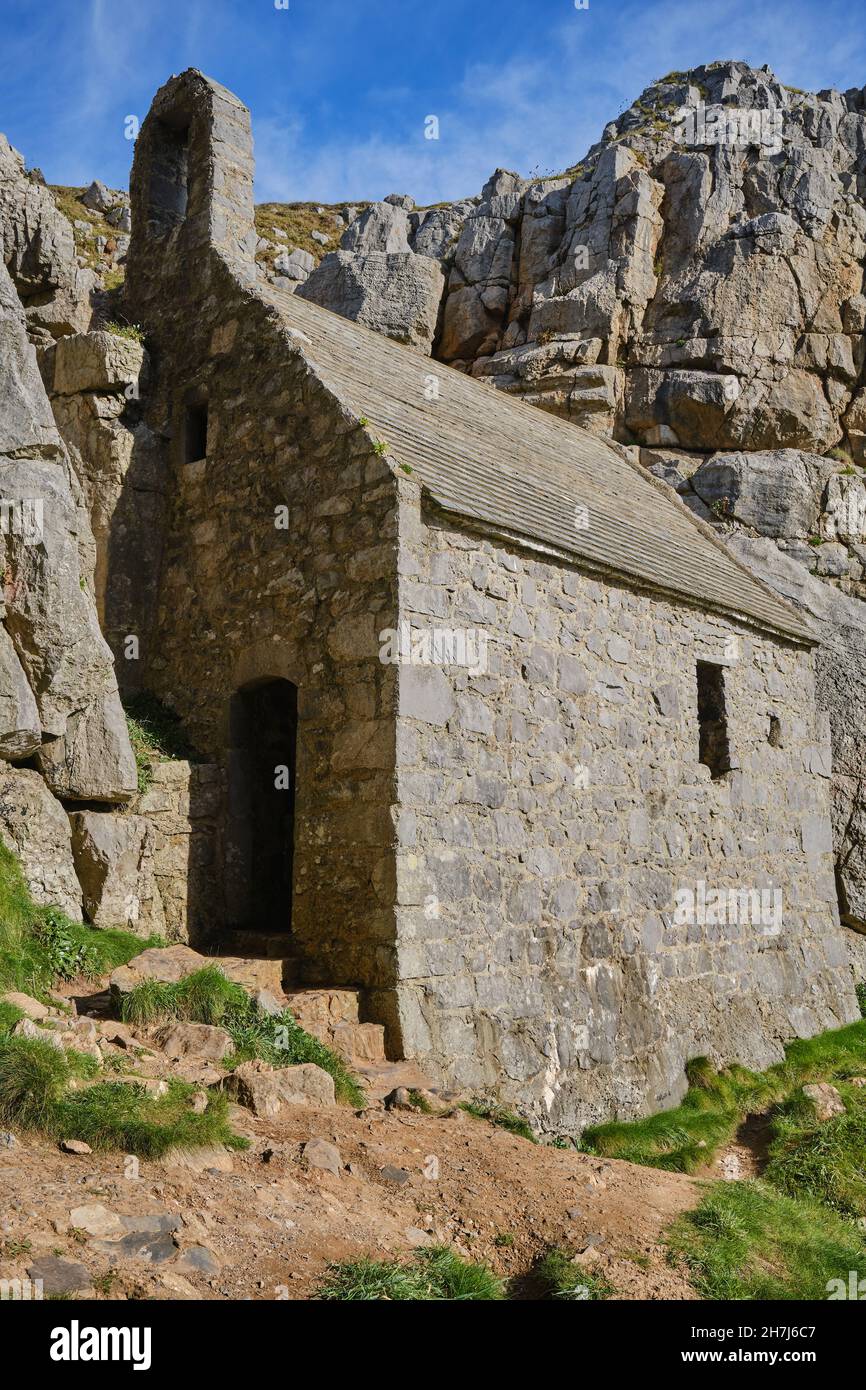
x=319 y=1011
x=359 y=1043
x=379 y=1079
x=252 y=945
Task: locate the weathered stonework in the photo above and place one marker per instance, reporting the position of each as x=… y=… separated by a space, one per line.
x=552 y=806
x=493 y=858
x=181 y=808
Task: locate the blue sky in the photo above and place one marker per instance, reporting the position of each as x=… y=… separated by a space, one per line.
x=339 y=89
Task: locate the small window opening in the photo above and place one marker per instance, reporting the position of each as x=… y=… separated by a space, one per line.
x=169 y=175
x=715 y=750
x=774 y=733
x=195 y=432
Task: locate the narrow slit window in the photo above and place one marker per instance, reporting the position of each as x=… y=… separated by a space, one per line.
x=715 y=750
x=195 y=432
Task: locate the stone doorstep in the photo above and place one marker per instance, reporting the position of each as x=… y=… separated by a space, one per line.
x=359 y=1042
x=319 y=1011
x=380 y=1079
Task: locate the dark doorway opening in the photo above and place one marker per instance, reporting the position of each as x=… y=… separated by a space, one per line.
x=263 y=724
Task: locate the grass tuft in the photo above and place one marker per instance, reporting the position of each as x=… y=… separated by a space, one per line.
x=433 y=1275
x=500 y=1116
x=156 y=734
x=556 y=1275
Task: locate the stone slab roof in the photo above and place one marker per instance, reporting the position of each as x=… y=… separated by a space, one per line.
x=522 y=472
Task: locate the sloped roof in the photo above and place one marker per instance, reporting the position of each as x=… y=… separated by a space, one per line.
x=494 y=459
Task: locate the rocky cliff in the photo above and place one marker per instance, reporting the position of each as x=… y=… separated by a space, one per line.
x=63 y=735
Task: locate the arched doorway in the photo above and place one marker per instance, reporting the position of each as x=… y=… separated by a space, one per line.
x=263 y=723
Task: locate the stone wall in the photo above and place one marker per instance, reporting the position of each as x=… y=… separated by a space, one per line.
x=181 y=807
x=552 y=806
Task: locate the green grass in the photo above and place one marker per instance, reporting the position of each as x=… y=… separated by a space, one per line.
x=298 y=220
x=133 y=331
x=208 y=997
x=156 y=734
x=717 y=1102
x=500 y=1116
x=748 y=1241
x=787 y=1235
x=35 y=1094
x=556 y=1276
x=39 y=945
x=432 y=1275
x=825 y=1161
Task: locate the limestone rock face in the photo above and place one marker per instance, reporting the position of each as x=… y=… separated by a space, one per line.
x=395 y=293
x=39 y=250
x=97 y=382
x=49 y=616
x=34 y=825
x=717 y=265
x=779 y=493
x=114 y=861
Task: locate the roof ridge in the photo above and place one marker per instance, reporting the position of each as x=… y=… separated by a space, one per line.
x=482 y=453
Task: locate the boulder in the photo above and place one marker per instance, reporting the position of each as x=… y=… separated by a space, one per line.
x=168 y=964
x=397 y=293
x=381 y=227
x=778 y=492
x=35 y=827
x=114 y=861
x=265 y=1090
x=31 y=1008
x=92 y=760
x=99 y=361
x=98 y=197
x=319 y=1153
x=296 y=264
x=198 y=1040
x=826 y=1099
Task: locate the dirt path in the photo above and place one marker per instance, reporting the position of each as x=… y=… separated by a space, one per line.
x=273 y=1223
